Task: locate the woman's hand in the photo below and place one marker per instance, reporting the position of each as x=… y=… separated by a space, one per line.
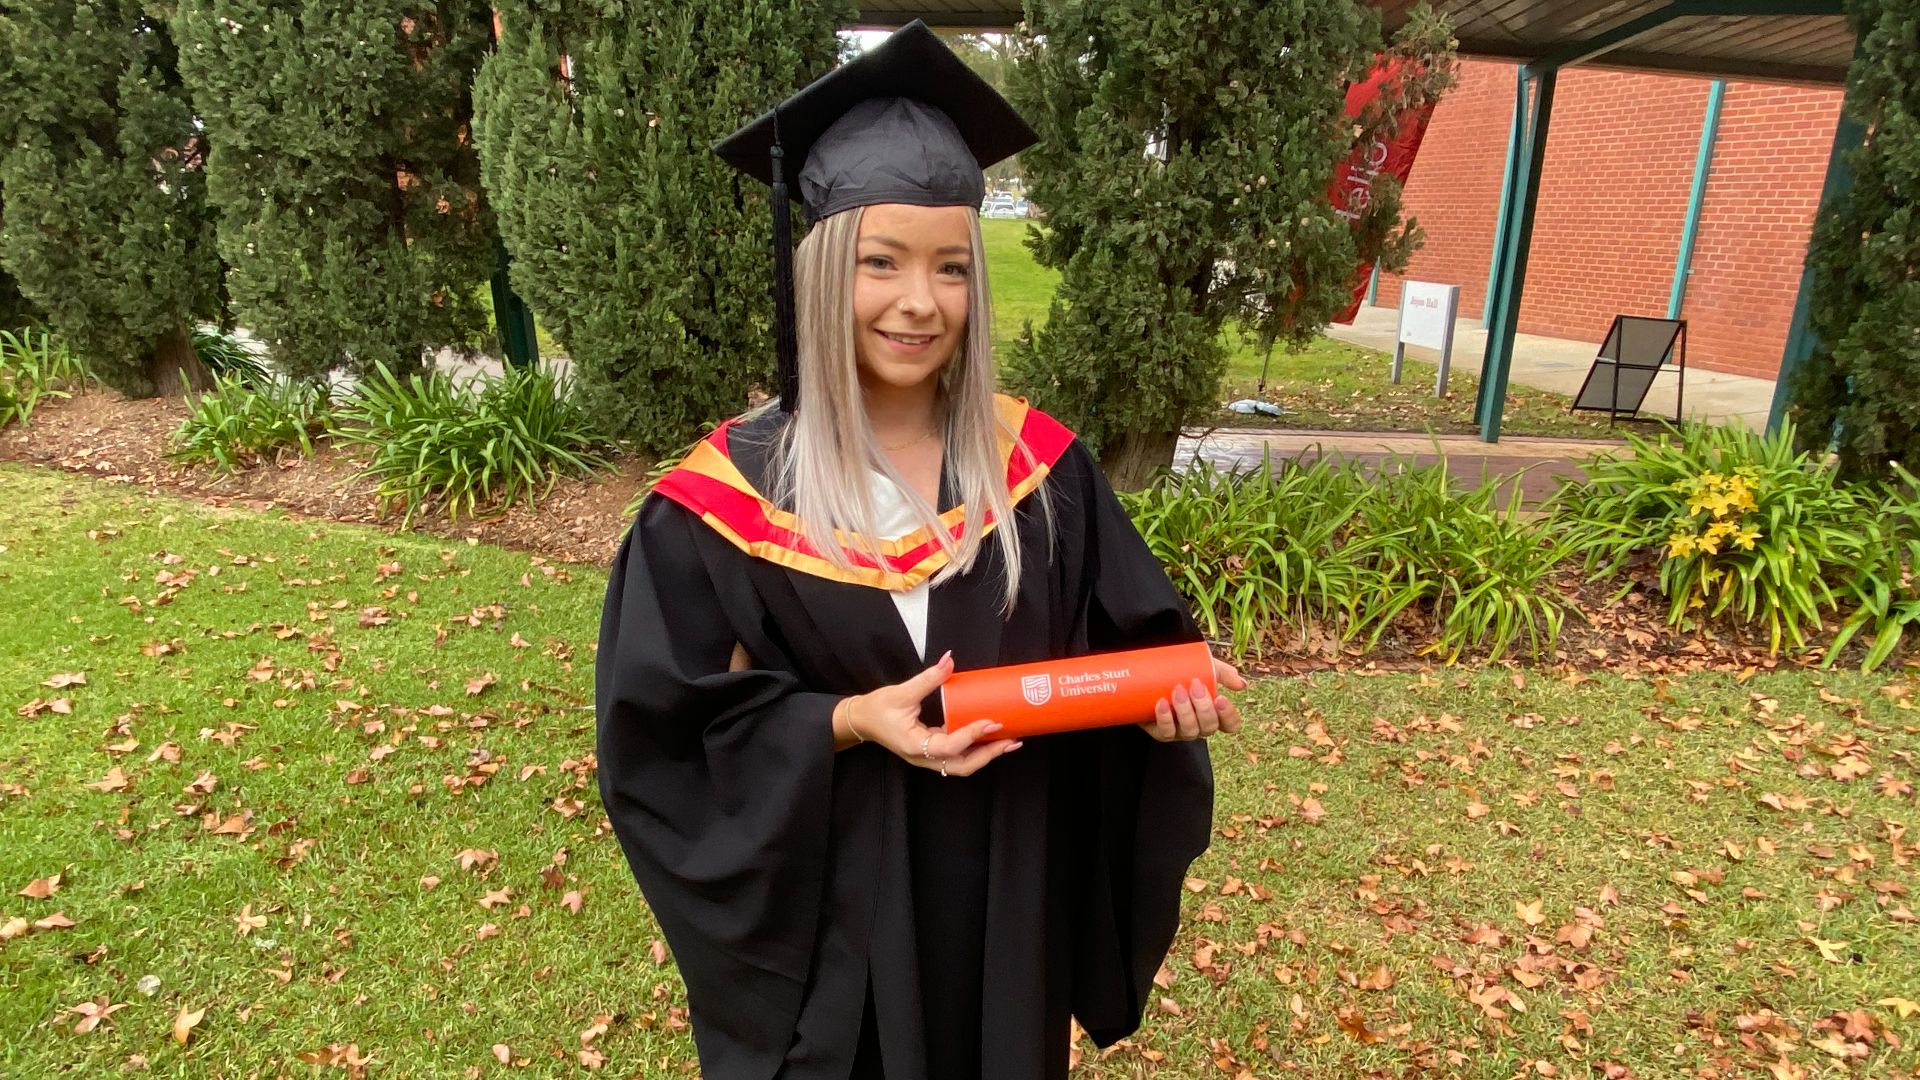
x=890 y=716
x=1189 y=713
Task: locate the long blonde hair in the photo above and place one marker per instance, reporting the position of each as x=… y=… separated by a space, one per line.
x=821 y=462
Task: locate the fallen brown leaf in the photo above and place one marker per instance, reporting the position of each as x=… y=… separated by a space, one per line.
x=93 y=1013
x=115 y=780
x=41 y=888
x=185 y=1022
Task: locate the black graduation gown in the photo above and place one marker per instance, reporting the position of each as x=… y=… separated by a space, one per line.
x=798 y=887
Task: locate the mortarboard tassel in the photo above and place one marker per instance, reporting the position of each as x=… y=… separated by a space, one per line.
x=785 y=345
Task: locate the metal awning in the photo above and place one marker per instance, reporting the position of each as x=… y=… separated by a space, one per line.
x=1797 y=42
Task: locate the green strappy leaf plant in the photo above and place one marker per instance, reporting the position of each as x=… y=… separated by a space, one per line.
x=438 y=446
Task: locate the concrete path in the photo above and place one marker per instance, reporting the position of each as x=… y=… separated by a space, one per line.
x=1535 y=464
x=1546 y=363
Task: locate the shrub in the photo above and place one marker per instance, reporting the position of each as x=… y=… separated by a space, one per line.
x=1884 y=586
x=1254 y=551
x=436 y=445
x=241 y=422
x=1740 y=524
x=35 y=366
x=1325 y=548
x=1479 y=568
x=225 y=354
x=12 y=406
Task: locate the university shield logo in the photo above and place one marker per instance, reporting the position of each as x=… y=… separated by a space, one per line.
x=1037 y=689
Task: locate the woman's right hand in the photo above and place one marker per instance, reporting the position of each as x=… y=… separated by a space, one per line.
x=890 y=716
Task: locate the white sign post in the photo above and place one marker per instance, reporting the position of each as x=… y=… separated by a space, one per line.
x=1427 y=314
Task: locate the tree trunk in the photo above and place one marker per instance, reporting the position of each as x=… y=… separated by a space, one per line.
x=1132 y=460
x=174 y=367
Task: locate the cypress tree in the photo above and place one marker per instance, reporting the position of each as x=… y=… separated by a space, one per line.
x=351 y=213
x=638 y=248
x=1186 y=151
x=105 y=227
x=1859 y=380
x=14 y=309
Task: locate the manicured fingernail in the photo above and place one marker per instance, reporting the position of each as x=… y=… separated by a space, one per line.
x=1011 y=747
x=1179 y=695
x=947 y=657
x=994 y=726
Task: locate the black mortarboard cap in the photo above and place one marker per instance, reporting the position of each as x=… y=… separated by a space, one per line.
x=904 y=122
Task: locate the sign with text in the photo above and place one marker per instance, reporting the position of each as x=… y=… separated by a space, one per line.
x=1427 y=313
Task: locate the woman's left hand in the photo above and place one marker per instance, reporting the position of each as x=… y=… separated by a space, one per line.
x=1189 y=713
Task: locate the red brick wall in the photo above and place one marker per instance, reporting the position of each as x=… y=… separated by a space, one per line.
x=1613 y=199
x=1768 y=165
x=1454 y=191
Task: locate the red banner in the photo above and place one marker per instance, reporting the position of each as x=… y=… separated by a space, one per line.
x=1352 y=189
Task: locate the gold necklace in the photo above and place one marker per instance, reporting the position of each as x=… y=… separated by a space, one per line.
x=917 y=440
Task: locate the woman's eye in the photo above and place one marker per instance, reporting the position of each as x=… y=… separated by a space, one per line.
x=878 y=262
x=957 y=269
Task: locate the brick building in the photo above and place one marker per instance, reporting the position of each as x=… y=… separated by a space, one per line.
x=1613 y=203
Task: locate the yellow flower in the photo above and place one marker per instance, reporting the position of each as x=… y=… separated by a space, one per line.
x=1745 y=537
x=1709 y=545
x=1681 y=543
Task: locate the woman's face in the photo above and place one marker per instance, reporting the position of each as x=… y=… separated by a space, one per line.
x=910 y=292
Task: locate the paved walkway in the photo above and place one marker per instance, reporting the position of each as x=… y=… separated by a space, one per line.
x=1546 y=363
x=1536 y=464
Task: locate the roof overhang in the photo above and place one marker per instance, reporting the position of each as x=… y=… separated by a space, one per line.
x=1799 y=41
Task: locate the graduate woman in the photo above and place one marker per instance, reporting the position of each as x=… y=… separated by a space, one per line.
x=848 y=890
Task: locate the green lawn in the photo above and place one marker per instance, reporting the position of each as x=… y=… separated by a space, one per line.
x=1336 y=386
x=1022 y=288
x=1330 y=386
x=290 y=734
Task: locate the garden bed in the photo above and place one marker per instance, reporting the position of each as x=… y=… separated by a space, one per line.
x=100 y=433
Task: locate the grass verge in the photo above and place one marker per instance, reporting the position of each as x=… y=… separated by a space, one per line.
x=329 y=789
x=1329 y=386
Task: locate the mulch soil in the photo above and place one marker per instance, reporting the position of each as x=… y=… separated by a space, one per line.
x=102 y=434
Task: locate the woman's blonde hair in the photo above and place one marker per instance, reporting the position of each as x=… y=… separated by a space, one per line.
x=822 y=459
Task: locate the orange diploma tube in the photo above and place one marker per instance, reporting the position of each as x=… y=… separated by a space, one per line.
x=1103 y=690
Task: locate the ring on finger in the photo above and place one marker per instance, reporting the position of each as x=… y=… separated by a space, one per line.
x=924 y=745
x=943 y=766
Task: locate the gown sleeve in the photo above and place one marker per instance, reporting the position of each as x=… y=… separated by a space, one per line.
x=718 y=783
x=1149 y=804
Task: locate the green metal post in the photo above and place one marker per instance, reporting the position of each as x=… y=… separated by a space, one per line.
x=512 y=319
x=1514 y=131
x=1848 y=136
x=1513 y=278
x=1373 y=284
x=1702 y=165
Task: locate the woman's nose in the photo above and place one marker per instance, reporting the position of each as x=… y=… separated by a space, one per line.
x=917 y=297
